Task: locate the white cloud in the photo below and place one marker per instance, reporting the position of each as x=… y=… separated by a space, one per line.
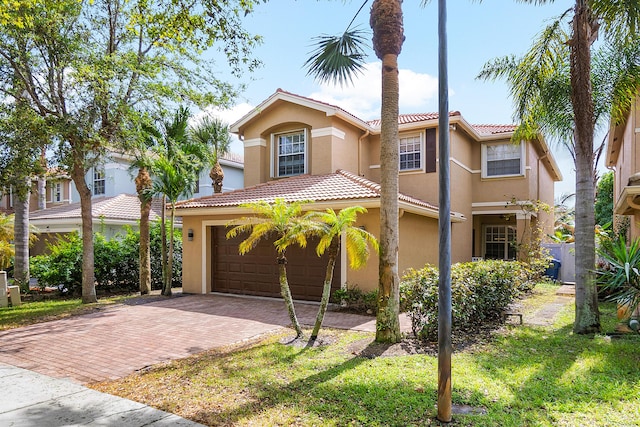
x=418 y=93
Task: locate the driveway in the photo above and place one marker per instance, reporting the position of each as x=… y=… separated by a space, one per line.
x=116 y=341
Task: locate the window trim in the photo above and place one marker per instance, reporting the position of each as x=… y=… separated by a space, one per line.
x=275 y=144
x=485 y=174
x=422 y=151
x=103 y=180
x=54 y=191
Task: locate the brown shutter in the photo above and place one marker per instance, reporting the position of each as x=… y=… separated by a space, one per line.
x=430 y=150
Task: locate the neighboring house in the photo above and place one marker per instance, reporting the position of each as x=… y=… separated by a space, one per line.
x=113 y=187
x=301 y=149
x=110 y=214
x=623 y=156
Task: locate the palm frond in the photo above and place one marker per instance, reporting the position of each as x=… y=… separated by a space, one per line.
x=338 y=59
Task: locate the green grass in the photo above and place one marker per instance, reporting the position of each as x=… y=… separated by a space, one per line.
x=525 y=376
x=41 y=311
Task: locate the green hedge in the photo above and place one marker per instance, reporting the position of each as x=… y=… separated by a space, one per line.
x=480 y=292
x=116 y=262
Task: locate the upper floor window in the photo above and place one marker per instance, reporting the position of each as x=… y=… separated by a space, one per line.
x=56 y=192
x=410 y=153
x=502 y=159
x=98 y=181
x=291 y=153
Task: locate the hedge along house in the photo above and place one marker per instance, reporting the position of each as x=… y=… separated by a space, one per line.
x=298 y=148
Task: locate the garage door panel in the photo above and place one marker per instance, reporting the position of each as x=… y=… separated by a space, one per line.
x=256 y=273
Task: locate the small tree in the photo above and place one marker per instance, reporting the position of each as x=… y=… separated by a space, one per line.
x=7 y=250
x=214 y=134
x=330 y=226
x=283 y=223
x=604 y=200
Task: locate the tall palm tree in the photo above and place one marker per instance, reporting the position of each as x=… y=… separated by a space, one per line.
x=214 y=133
x=176 y=168
x=337 y=59
x=281 y=222
x=330 y=227
x=567 y=106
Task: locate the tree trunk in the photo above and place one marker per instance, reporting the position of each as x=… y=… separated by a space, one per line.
x=88 y=274
x=42 y=192
x=217 y=176
x=21 y=238
x=587 y=316
x=166 y=291
x=387 y=319
x=163 y=244
x=326 y=290
x=143 y=183
x=286 y=294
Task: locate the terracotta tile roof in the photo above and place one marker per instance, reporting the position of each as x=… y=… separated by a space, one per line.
x=404 y=119
x=494 y=129
x=338 y=186
x=233 y=157
x=120 y=207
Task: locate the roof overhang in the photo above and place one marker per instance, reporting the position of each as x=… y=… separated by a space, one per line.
x=320 y=205
x=629 y=201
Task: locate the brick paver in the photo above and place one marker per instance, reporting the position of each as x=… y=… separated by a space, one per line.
x=117 y=341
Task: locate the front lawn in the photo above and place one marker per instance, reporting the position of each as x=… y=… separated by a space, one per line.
x=532 y=376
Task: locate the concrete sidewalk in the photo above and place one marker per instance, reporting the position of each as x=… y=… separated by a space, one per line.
x=36 y=400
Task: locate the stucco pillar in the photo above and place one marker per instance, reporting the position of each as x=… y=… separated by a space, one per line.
x=4 y=300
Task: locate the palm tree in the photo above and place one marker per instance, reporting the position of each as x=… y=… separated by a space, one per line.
x=214 y=133
x=7 y=250
x=176 y=168
x=569 y=105
x=330 y=226
x=337 y=59
x=283 y=223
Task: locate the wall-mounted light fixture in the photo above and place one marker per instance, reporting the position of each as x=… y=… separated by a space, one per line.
x=190 y=234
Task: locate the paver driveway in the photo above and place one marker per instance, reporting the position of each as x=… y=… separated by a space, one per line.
x=116 y=341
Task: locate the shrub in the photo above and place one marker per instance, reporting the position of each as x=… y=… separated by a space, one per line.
x=116 y=262
x=353 y=298
x=480 y=292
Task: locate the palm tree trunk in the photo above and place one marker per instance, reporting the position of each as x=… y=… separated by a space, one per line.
x=217 y=176
x=286 y=294
x=21 y=239
x=143 y=182
x=587 y=316
x=387 y=319
x=167 y=287
x=326 y=290
x=163 y=245
x=88 y=275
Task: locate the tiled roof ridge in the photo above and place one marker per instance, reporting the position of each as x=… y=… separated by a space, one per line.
x=233 y=157
x=360 y=180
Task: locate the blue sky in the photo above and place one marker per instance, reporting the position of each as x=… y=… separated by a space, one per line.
x=477 y=33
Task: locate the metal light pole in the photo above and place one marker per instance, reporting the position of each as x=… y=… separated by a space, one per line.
x=444 y=258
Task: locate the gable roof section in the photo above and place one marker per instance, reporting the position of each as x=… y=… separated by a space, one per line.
x=281 y=95
x=336 y=190
x=123 y=207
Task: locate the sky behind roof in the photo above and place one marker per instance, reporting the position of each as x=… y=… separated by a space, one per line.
x=477 y=33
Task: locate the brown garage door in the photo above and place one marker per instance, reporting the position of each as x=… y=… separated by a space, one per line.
x=256 y=273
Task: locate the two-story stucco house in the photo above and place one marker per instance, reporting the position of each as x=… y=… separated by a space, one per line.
x=301 y=149
x=623 y=156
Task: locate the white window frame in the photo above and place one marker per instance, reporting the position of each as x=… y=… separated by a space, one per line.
x=275 y=149
x=56 y=192
x=99 y=176
x=421 y=151
x=520 y=147
x=506 y=242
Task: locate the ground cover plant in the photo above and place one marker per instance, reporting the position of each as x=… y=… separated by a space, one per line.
x=519 y=375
